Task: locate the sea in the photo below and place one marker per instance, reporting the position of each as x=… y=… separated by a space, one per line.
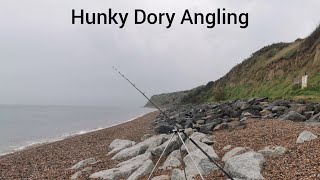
x=22 y=126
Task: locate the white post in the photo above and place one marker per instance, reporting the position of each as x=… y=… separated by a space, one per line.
x=304 y=81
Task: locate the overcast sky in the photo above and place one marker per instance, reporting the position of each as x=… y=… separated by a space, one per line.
x=44 y=59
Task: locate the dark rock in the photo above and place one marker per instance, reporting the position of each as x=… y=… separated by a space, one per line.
x=310 y=107
x=188 y=124
x=262 y=99
x=251 y=101
x=254 y=112
x=279 y=109
x=270 y=116
x=235 y=113
x=269 y=107
x=174 y=116
x=164 y=128
x=245 y=106
x=241 y=105
x=179 y=126
x=226 y=120
x=221 y=126
x=245 y=114
x=317 y=108
x=207 y=128
x=265 y=112
x=301 y=109
x=308 y=114
x=243 y=121
x=281 y=103
x=205 y=117
x=214 y=121
x=301 y=101
x=209 y=116
x=188 y=115
x=315 y=118
x=293 y=116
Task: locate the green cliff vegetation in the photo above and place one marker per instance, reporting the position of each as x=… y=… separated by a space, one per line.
x=269 y=72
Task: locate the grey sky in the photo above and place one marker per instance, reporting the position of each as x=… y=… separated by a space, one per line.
x=44 y=59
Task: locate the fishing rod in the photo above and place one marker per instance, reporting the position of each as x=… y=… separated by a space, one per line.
x=141 y=92
x=177 y=128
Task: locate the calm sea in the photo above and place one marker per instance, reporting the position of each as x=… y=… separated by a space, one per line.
x=22 y=126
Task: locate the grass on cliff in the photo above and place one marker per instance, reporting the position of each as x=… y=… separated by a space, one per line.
x=269 y=72
x=276 y=89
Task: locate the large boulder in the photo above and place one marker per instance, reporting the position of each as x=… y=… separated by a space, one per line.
x=76 y=175
x=208 y=140
x=119 y=144
x=173 y=145
x=245 y=166
x=83 y=163
x=132 y=151
x=124 y=169
x=177 y=174
x=192 y=147
x=79 y=173
x=198 y=136
x=234 y=152
x=172 y=161
x=273 y=151
x=202 y=161
x=146 y=168
x=141 y=147
x=156 y=141
x=293 y=116
x=306 y=136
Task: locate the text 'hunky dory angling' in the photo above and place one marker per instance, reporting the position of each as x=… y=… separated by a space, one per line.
x=209 y=20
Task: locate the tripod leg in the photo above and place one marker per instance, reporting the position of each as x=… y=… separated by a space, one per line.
x=191 y=157
x=210 y=158
x=160 y=156
x=183 y=164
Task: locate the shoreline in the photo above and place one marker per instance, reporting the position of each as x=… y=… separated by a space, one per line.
x=53 y=160
x=64 y=136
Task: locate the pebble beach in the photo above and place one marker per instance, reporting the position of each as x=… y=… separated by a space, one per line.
x=53 y=160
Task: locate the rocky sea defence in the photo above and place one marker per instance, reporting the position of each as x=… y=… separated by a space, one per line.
x=208 y=117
